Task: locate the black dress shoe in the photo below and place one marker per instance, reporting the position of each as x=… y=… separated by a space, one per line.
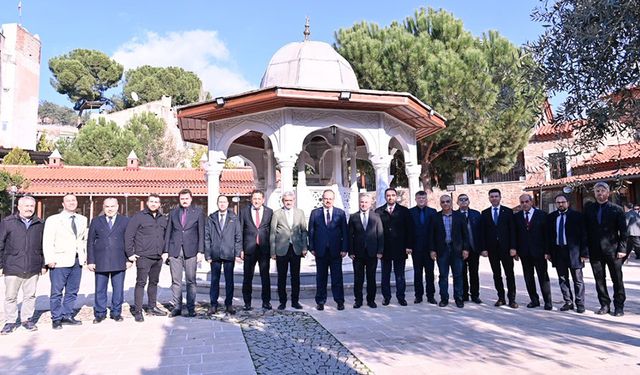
x=138 y=317
x=191 y=313
x=117 y=318
x=603 y=310
x=567 y=307
x=175 y=312
x=385 y=302
x=56 y=324
x=357 y=305
x=230 y=310
x=513 y=305
x=618 y=311
x=296 y=305
x=417 y=300
x=320 y=307
x=459 y=303
x=372 y=304
x=156 y=311
x=476 y=300
x=70 y=321
x=532 y=305
x=247 y=307
x=8 y=328
x=580 y=309
x=267 y=306
x=499 y=303
x=443 y=303
x=465 y=299
x=99 y=319
x=30 y=326
x=340 y=306
x=212 y=310
x=282 y=306
x=432 y=300
x=548 y=306
x=402 y=302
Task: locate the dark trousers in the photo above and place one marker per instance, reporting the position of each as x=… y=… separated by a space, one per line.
x=283 y=264
x=365 y=266
x=250 y=261
x=67 y=280
x=423 y=266
x=470 y=276
x=599 y=273
x=323 y=266
x=633 y=244
x=177 y=265
x=117 y=293
x=565 y=286
x=147 y=268
x=447 y=259
x=495 y=260
x=398 y=271
x=214 y=291
x=539 y=265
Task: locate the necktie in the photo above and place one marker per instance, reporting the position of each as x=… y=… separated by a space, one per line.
x=422 y=216
x=110 y=223
x=561 y=241
x=466 y=217
x=364 y=220
x=258 y=226
x=390 y=209
x=183 y=218
x=221 y=222
x=599 y=214
x=73 y=225
x=526 y=218
x=495 y=215
x=328 y=218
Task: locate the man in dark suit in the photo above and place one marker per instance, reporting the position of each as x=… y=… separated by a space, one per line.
x=498 y=239
x=184 y=242
x=607 y=241
x=106 y=257
x=568 y=242
x=398 y=243
x=329 y=243
x=222 y=245
x=366 y=245
x=422 y=218
x=532 y=246
x=450 y=247
x=255 y=221
x=471 y=283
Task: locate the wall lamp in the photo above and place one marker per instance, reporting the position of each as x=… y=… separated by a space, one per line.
x=220 y=101
x=344 y=95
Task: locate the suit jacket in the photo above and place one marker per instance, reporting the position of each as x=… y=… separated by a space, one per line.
x=608 y=237
x=331 y=240
x=250 y=233
x=369 y=241
x=422 y=232
x=459 y=234
x=60 y=245
x=532 y=241
x=498 y=239
x=106 y=247
x=398 y=231
x=575 y=239
x=474 y=228
x=190 y=237
x=281 y=234
x=224 y=244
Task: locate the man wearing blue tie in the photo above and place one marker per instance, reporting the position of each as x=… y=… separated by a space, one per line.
x=329 y=243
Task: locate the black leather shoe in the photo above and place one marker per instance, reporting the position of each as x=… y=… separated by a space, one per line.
x=117 y=318
x=513 y=305
x=156 y=312
x=320 y=307
x=70 y=321
x=296 y=305
x=417 y=300
x=340 y=306
x=618 y=312
x=267 y=306
x=56 y=324
x=230 y=310
x=191 y=313
x=212 y=310
x=175 y=312
x=282 y=306
x=465 y=299
x=432 y=300
x=499 y=303
x=460 y=304
x=402 y=302
x=567 y=307
x=357 y=305
x=30 y=326
x=603 y=310
x=99 y=319
x=443 y=303
x=548 y=306
x=580 y=309
x=8 y=328
x=247 y=307
x=532 y=305
x=372 y=304
x=385 y=302
x=138 y=317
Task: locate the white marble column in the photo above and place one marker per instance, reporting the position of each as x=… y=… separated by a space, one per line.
x=286 y=164
x=413 y=175
x=381 y=166
x=337 y=165
x=213 y=172
x=353 y=181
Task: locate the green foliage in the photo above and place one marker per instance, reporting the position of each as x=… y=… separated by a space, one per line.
x=155 y=146
x=44 y=144
x=84 y=74
x=57 y=114
x=590 y=50
x=7 y=180
x=17 y=156
x=480 y=84
x=197 y=155
x=151 y=83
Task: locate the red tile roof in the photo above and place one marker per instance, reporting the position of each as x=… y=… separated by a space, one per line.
x=606 y=175
x=616 y=153
x=551 y=130
x=81 y=180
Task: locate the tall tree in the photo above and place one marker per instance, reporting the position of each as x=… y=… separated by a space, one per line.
x=7 y=180
x=57 y=114
x=151 y=83
x=84 y=74
x=480 y=84
x=590 y=51
x=156 y=147
x=17 y=156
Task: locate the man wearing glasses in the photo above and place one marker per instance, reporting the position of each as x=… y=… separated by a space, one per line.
x=471 y=283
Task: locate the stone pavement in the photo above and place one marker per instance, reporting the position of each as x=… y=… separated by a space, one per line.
x=417 y=339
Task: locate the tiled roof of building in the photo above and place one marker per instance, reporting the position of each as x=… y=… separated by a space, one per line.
x=80 y=180
x=615 y=153
x=606 y=175
x=551 y=130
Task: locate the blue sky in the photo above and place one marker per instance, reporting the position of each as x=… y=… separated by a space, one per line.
x=228 y=43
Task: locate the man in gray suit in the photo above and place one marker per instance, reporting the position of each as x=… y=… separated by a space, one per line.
x=288 y=240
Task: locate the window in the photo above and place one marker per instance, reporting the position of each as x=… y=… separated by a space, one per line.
x=558 y=165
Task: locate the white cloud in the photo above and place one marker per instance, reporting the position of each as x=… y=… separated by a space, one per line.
x=199 y=51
